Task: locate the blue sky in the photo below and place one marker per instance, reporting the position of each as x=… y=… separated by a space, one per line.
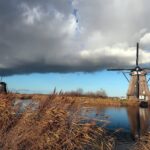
x=112 y=82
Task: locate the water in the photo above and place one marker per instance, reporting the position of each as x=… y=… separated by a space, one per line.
x=134 y=122
x=22 y=105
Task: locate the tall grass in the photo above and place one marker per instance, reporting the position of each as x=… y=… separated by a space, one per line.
x=110 y=102
x=82 y=99
x=54 y=125
x=143 y=143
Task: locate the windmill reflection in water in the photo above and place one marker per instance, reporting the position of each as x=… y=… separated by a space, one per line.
x=139 y=121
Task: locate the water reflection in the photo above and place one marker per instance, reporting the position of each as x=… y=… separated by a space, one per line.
x=22 y=105
x=139 y=121
x=132 y=120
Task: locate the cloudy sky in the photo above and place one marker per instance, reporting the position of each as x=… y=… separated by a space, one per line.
x=71 y=40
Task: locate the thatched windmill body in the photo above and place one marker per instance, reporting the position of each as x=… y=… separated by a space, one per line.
x=138 y=84
x=3 y=87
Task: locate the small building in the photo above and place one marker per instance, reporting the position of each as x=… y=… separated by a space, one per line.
x=3 y=87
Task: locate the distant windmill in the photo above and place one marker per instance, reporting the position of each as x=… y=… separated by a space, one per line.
x=3 y=87
x=138 y=84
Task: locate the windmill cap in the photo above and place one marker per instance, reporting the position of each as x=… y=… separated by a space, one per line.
x=3 y=83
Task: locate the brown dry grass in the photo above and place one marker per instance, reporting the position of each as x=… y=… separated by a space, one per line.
x=143 y=143
x=111 y=102
x=54 y=125
x=82 y=100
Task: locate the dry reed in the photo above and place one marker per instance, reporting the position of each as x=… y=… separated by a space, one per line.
x=53 y=126
x=85 y=100
x=143 y=143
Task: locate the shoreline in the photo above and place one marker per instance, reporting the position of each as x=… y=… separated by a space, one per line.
x=83 y=100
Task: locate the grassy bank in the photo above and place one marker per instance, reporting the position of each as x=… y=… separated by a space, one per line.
x=54 y=125
x=143 y=143
x=110 y=102
x=83 y=100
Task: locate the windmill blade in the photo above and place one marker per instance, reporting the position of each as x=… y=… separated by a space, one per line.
x=137 y=55
x=115 y=69
x=125 y=76
x=126 y=72
x=137 y=86
x=146 y=68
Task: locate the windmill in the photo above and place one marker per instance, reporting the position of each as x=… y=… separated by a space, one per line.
x=3 y=87
x=138 y=84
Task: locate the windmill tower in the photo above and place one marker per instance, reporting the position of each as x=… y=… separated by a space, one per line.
x=3 y=87
x=138 y=87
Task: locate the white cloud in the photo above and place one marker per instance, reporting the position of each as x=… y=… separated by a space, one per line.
x=145 y=39
x=31 y=15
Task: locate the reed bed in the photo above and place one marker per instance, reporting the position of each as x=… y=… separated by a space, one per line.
x=83 y=100
x=54 y=126
x=110 y=102
x=143 y=143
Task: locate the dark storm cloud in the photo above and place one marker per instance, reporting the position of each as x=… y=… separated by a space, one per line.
x=70 y=36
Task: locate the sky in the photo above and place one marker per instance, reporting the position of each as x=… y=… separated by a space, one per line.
x=69 y=44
